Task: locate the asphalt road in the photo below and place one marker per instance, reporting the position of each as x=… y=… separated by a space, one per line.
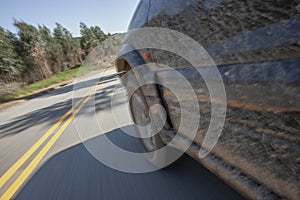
x=63 y=166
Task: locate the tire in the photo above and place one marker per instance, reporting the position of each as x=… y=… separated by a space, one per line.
x=142 y=117
x=140 y=114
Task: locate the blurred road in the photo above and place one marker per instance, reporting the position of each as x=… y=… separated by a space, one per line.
x=44 y=156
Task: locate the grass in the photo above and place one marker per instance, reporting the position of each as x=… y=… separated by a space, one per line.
x=58 y=78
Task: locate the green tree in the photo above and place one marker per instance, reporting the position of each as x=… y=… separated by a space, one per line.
x=29 y=47
x=90 y=37
x=36 y=53
x=53 y=49
x=10 y=64
x=70 y=46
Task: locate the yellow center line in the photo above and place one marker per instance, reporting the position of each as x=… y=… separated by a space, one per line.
x=8 y=174
x=12 y=170
x=29 y=169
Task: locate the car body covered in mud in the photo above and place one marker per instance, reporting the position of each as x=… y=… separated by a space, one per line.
x=255 y=47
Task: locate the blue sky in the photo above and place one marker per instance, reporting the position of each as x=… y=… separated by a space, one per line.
x=111 y=15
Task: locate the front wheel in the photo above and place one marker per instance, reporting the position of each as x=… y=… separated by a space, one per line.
x=151 y=142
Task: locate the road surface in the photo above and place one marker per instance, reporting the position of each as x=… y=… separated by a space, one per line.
x=43 y=152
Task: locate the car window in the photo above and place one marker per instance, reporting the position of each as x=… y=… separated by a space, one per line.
x=140 y=16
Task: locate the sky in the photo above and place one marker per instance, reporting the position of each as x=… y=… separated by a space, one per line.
x=112 y=16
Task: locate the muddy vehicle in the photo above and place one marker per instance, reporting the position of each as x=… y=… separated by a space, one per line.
x=255 y=46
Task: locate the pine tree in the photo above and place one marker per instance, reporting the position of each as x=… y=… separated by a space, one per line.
x=10 y=64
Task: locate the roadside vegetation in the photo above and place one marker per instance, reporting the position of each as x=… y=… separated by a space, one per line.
x=28 y=89
x=36 y=57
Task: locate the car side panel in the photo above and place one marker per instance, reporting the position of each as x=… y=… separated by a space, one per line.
x=255 y=45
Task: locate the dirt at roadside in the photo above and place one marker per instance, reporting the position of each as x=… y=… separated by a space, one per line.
x=37 y=93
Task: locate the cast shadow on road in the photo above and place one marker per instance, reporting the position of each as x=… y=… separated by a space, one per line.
x=81 y=85
x=47 y=116
x=76 y=174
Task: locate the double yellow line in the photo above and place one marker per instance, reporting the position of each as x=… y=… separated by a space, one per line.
x=36 y=160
